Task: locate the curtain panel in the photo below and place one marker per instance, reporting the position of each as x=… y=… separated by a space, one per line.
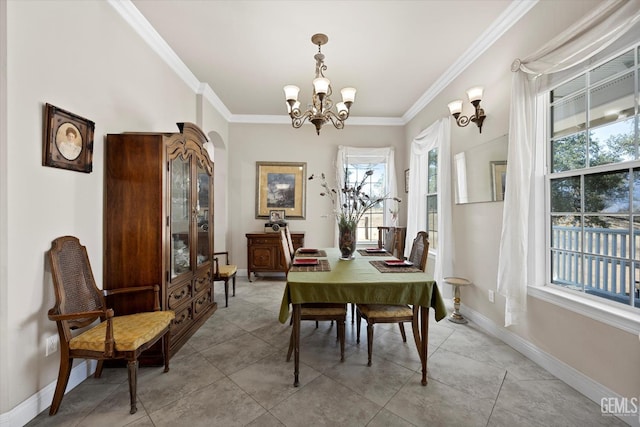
x=436 y=136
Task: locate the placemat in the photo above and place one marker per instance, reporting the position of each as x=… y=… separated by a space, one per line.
x=364 y=252
x=318 y=254
x=384 y=268
x=323 y=265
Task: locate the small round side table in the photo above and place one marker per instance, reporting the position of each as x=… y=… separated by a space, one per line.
x=456 y=282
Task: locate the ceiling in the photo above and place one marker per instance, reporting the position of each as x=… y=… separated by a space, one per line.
x=395 y=53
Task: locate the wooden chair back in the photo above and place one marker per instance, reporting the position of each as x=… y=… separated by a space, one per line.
x=420 y=250
x=287 y=233
x=285 y=248
x=74 y=285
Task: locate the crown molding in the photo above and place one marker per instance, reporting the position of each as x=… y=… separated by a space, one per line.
x=139 y=23
x=515 y=11
x=286 y=120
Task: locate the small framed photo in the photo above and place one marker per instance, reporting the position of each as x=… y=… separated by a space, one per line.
x=276 y=215
x=406 y=180
x=67 y=140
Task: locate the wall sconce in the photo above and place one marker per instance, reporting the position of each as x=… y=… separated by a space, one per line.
x=455 y=107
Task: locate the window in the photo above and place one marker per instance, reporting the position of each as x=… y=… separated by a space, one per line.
x=382 y=183
x=432 y=198
x=593 y=183
x=374 y=186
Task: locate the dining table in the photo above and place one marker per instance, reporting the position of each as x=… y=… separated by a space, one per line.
x=368 y=278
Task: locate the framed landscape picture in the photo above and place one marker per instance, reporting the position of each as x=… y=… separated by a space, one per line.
x=281 y=186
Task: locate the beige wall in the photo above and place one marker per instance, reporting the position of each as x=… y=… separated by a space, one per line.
x=283 y=143
x=603 y=353
x=99 y=68
x=82 y=57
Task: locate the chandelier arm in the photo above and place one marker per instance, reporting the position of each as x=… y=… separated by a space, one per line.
x=299 y=119
x=337 y=122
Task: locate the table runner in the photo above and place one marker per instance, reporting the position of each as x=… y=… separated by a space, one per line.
x=323 y=265
x=382 y=267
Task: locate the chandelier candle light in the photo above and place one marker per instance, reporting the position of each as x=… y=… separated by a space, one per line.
x=320 y=110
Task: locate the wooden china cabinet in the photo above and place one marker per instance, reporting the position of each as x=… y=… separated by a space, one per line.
x=158 y=226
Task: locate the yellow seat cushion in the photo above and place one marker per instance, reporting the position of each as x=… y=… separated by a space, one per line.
x=227 y=270
x=384 y=310
x=129 y=332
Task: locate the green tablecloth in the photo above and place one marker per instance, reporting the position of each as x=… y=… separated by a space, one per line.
x=358 y=281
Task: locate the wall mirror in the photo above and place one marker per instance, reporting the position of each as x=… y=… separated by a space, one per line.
x=479 y=173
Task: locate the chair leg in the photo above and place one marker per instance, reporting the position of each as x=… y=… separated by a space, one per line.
x=132 y=367
x=98 y=372
x=353 y=310
x=61 y=385
x=226 y=293
x=358 y=328
x=369 y=341
x=404 y=336
x=166 y=343
x=341 y=334
x=234 y=285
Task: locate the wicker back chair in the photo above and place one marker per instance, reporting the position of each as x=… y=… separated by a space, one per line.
x=386 y=313
x=79 y=303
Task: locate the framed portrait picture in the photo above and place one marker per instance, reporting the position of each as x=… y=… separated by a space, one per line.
x=67 y=140
x=406 y=180
x=277 y=215
x=498 y=179
x=281 y=186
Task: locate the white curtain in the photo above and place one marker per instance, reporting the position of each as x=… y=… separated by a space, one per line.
x=568 y=52
x=385 y=155
x=437 y=136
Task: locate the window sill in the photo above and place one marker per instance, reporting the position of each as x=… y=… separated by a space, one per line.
x=618 y=317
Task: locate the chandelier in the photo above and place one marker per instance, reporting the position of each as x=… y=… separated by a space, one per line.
x=320 y=110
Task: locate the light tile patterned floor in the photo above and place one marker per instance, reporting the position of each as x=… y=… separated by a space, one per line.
x=233 y=372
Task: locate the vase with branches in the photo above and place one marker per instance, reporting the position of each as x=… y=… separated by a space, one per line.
x=350 y=203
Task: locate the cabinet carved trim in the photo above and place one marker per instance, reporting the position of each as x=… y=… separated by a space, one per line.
x=158 y=218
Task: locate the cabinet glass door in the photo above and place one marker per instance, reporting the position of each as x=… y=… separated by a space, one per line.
x=202 y=209
x=180 y=215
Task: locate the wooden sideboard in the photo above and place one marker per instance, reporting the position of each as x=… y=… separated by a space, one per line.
x=264 y=252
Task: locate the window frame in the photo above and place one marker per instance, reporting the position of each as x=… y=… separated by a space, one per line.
x=620 y=315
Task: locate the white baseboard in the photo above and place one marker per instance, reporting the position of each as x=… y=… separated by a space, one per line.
x=30 y=408
x=574 y=378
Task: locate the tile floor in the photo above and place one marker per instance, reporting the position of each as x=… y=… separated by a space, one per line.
x=233 y=372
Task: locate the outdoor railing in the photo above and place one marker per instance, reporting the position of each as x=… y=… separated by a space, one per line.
x=606 y=268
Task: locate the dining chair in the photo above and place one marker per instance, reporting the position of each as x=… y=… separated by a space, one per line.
x=387 y=313
x=79 y=303
x=224 y=273
x=387 y=239
x=287 y=233
x=317 y=311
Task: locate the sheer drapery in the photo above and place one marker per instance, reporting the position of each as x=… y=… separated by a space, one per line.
x=590 y=36
x=384 y=155
x=438 y=135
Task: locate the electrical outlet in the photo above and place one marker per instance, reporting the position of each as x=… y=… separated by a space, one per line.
x=51 y=345
x=492 y=296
